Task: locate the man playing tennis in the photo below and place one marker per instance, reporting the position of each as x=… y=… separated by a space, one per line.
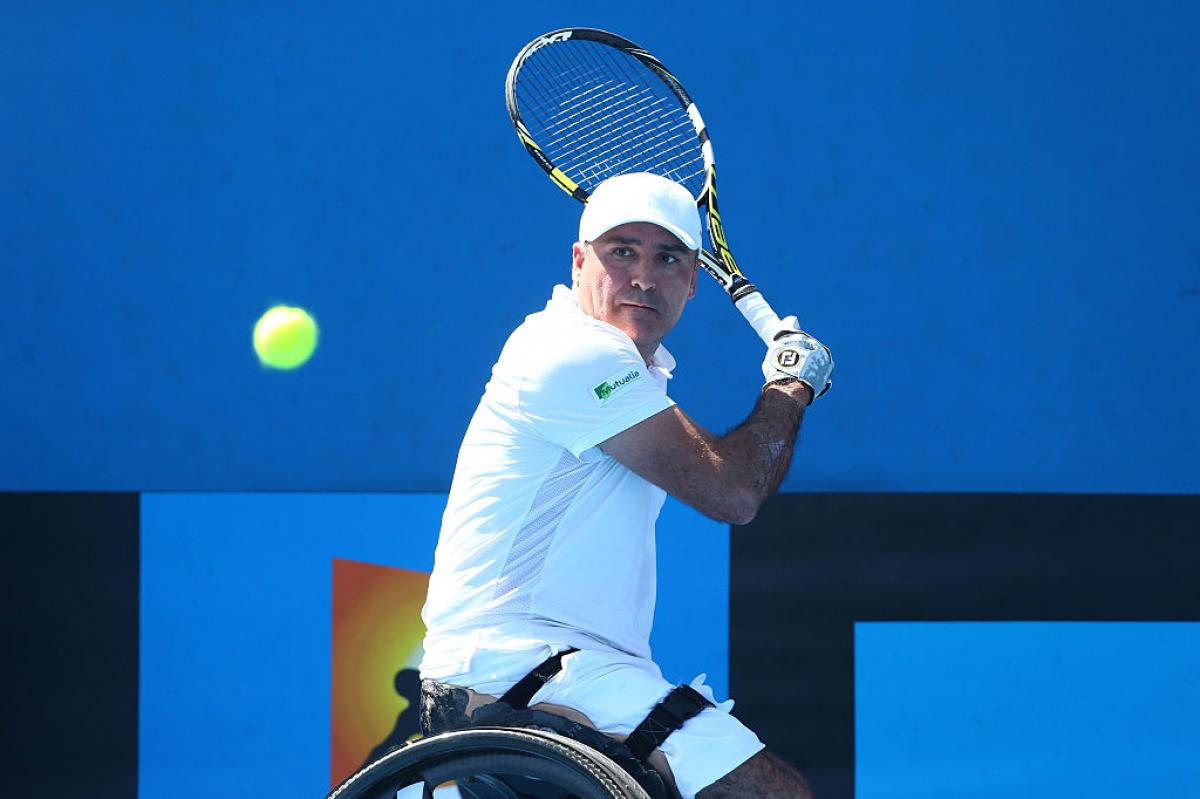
x=547 y=542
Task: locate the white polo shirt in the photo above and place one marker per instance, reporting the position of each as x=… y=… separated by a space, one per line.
x=546 y=539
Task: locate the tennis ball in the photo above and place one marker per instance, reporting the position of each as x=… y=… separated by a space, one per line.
x=285 y=337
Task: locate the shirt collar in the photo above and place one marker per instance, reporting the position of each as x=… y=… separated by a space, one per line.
x=563 y=300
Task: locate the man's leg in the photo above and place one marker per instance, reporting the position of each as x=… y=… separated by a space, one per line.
x=763 y=775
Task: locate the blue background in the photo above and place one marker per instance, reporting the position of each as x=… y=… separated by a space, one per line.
x=1026 y=709
x=988 y=210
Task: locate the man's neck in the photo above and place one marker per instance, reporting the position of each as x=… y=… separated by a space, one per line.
x=647 y=351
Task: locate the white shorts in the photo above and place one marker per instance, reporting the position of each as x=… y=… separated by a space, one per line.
x=616 y=691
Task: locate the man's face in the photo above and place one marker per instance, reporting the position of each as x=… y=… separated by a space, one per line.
x=637 y=277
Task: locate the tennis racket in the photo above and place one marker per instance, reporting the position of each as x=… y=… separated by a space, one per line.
x=588 y=105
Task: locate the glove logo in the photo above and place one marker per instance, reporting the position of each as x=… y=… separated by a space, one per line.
x=786 y=359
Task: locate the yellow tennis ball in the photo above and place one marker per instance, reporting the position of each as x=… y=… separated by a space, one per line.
x=285 y=337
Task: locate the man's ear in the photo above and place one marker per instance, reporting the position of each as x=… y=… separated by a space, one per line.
x=578 y=253
x=695 y=271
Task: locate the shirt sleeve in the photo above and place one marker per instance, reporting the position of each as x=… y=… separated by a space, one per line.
x=581 y=392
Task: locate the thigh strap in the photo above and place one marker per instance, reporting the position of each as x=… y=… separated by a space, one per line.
x=667 y=716
x=519 y=695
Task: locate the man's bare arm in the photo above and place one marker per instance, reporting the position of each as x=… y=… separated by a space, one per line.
x=726 y=477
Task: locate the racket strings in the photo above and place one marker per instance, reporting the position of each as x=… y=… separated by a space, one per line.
x=597 y=112
x=617 y=135
x=675 y=141
x=581 y=119
x=585 y=110
x=588 y=97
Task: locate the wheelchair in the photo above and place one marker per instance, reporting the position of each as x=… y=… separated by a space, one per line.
x=493 y=763
x=507 y=750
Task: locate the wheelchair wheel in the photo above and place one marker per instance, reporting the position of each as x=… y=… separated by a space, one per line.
x=493 y=763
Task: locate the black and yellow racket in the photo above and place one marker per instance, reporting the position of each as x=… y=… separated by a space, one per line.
x=588 y=105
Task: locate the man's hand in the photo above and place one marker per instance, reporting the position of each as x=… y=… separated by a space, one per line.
x=795 y=355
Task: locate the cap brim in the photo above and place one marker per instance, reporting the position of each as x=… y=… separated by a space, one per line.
x=674 y=230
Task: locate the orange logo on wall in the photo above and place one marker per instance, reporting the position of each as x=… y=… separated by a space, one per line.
x=377 y=634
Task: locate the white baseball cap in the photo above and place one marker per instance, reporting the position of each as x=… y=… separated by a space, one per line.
x=641 y=197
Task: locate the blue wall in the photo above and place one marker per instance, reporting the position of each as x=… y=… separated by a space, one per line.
x=987 y=209
x=1022 y=709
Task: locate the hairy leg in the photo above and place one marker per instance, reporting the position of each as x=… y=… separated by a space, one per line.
x=763 y=775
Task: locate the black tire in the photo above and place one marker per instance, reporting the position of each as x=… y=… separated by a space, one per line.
x=551 y=759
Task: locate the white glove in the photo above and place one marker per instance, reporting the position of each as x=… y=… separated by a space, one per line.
x=797 y=355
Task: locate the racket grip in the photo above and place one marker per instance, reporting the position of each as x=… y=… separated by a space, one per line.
x=759 y=314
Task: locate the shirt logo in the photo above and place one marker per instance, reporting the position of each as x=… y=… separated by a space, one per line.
x=605 y=391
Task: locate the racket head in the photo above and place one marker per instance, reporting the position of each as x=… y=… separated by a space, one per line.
x=588 y=104
x=591 y=104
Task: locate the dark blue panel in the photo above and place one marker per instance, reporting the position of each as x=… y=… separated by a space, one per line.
x=70 y=638
x=811 y=566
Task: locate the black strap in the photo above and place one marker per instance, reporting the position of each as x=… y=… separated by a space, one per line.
x=667 y=716
x=519 y=695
